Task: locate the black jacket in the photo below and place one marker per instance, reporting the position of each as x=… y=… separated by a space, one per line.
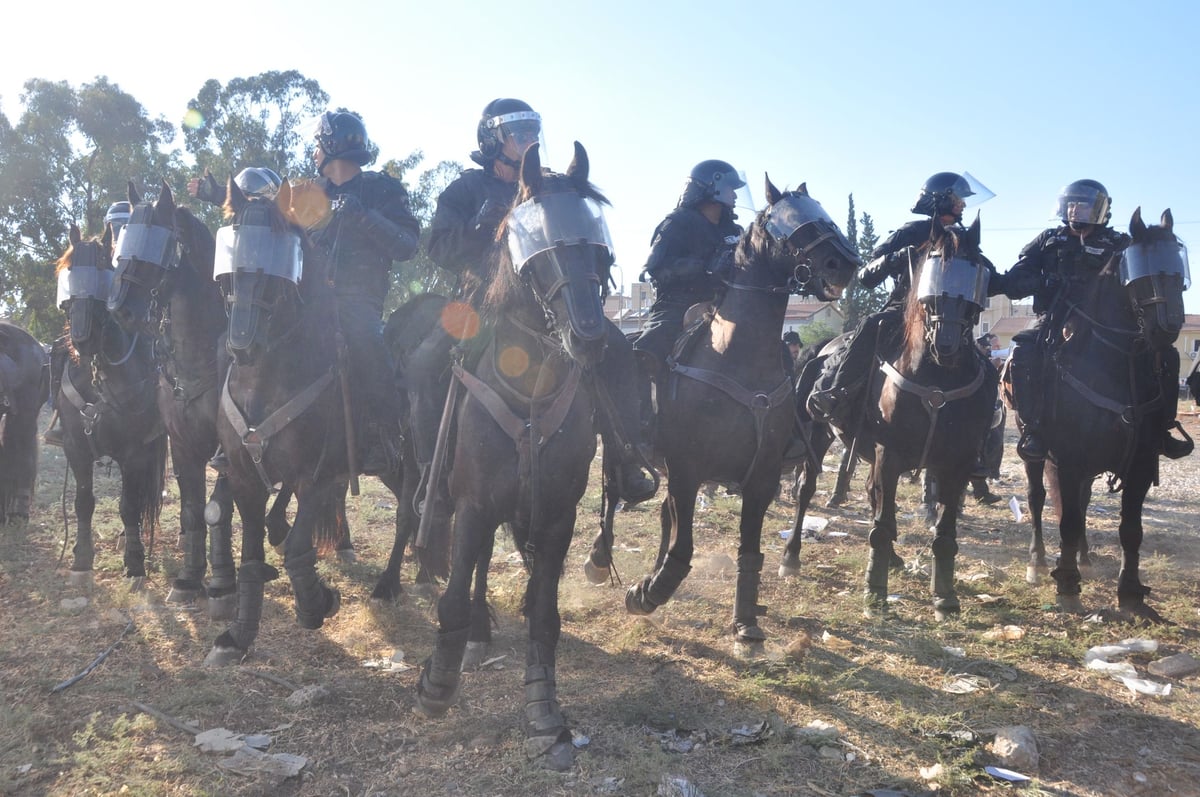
x=684 y=251
x=462 y=236
x=1057 y=265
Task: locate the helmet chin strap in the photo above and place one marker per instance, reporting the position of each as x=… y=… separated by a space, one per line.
x=507 y=161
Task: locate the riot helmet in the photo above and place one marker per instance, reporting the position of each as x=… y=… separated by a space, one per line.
x=502 y=119
x=258 y=181
x=118 y=217
x=1083 y=202
x=343 y=136
x=940 y=195
x=711 y=180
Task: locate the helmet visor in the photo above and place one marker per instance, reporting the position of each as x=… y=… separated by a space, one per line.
x=1083 y=205
x=977 y=192
x=251 y=247
x=521 y=127
x=1168 y=258
x=146 y=242
x=551 y=220
x=84 y=282
x=957 y=277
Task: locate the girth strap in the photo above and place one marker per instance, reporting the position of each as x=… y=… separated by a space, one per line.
x=757 y=402
x=254 y=439
x=1129 y=413
x=934 y=398
x=519 y=429
x=88 y=411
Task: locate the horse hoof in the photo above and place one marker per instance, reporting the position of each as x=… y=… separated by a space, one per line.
x=474 y=655
x=335 y=602
x=212 y=513
x=80 y=578
x=222 y=607
x=431 y=707
x=1136 y=610
x=1035 y=573
x=183 y=596
x=223 y=657
x=788 y=570
x=1071 y=604
x=634 y=602
x=558 y=757
x=596 y=575
x=347 y=556
x=748 y=633
x=875 y=606
x=944 y=613
x=137 y=583
x=1087 y=571
x=896 y=562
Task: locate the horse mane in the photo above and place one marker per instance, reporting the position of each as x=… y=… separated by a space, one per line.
x=196 y=240
x=947 y=241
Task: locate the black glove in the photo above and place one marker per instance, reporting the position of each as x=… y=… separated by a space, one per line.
x=490 y=215
x=349 y=208
x=210 y=190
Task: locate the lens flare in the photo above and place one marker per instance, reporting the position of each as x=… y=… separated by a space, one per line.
x=193 y=119
x=460 y=320
x=513 y=362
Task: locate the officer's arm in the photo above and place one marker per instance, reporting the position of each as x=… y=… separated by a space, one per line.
x=883 y=266
x=393 y=230
x=456 y=242
x=1025 y=278
x=668 y=259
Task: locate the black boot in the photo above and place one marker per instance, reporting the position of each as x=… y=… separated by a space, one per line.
x=633 y=484
x=1031 y=447
x=982 y=493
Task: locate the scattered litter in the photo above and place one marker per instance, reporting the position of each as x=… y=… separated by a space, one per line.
x=817 y=733
x=248 y=761
x=1116 y=669
x=580 y=740
x=1015 y=506
x=494 y=662
x=1007 y=774
x=394 y=664
x=975 y=577
x=931 y=773
x=964 y=683
x=895 y=598
x=1141 y=686
x=957 y=653
x=1137 y=645
x=24 y=769
x=1004 y=633
x=218 y=740
x=1105 y=652
x=752 y=734
x=837 y=534
x=989 y=600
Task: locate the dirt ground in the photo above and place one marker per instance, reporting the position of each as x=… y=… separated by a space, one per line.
x=832 y=705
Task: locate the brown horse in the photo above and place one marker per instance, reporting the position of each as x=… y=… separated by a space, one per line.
x=107 y=404
x=725 y=412
x=23 y=388
x=525 y=435
x=930 y=404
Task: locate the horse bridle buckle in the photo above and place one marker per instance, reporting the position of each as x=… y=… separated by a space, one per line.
x=254 y=445
x=936 y=399
x=761 y=401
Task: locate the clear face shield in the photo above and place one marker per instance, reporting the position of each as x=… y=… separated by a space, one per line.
x=84 y=282
x=743 y=199
x=145 y=242
x=254 y=248
x=553 y=220
x=518 y=131
x=1083 y=206
x=957 y=278
x=794 y=211
x=979 y=193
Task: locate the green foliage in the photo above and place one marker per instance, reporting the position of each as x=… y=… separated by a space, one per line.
x=858 y=302
x=816 y=331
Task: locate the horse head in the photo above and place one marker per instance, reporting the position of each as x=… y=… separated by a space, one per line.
x=259 y=264
x=146 y=252
x=85 y=278
x=1154 y=271
x=950 y=292
x=558 y=250
x=803 y=249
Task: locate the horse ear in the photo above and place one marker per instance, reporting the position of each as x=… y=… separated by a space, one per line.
x=74 y=235
x=135 y=196
x=973 y=235
x=579 y=168
x=106 y=240
x=531 y=172
x=773 y=193
x=283 y=199
x=803 y=189
x=165 y=206
x=236 y=199
x=1167 y=221
x=1137 y=227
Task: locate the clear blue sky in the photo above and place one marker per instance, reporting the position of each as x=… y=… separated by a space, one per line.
x=868 y=98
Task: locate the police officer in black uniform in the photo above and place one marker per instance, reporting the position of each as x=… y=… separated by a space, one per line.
x=688 y=251
x=462 y=238
x=942 y=198
x=1054 y=268
x=369 y=228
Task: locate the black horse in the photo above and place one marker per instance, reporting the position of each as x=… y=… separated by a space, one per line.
x=107 y=404
x=281 y=419
x=525 y=435
x=929 y=405
x=725 y=413
x=23 y=389
x=1106 y=405
x=163 y=287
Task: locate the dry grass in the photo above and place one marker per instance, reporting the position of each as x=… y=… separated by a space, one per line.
x=624 y=682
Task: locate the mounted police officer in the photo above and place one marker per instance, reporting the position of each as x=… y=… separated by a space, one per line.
x=369 y=227
x=1055 y=268
x=462 y=240
x=943 y=198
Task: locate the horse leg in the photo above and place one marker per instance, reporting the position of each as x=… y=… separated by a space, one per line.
x=547 y=736
x=882 y=536
x=387 y=587
x=598 y=565
x=84 y=551
x=1035 y=487
x=345 y=546
x=675 y=552
x=437 y=688
x=1131 y=592
x=218 y=518
x=806 y=482
x=235 y=642
x=315 y=600
x=841 y=491
x=1085 y=550
x=1064 y=486
x=278 y=527
x=951 y=486
x=189 y=476
x=746 y=608
x=479 y=640
x=131 y=506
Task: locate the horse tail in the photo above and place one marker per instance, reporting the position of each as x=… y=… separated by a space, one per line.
x=149 y=493
x=330 y=527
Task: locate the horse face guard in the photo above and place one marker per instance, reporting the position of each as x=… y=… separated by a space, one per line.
x=824 y=259
x=145 y=252
x=952 y=290
x=561 y=248
x=257 y=265
x=1155 y=274
x=83 y=289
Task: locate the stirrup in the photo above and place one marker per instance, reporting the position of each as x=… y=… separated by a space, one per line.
x=1173 y=448
x=53 y=436
x=1031 y=447
x=219 y=461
